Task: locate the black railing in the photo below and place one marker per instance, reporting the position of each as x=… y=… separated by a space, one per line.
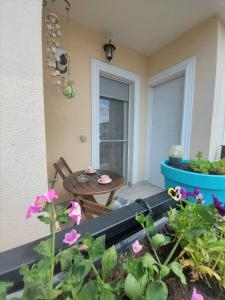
x=116 y=225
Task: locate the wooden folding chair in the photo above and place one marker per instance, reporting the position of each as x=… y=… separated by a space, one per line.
x=62 y=168
x=88 y=207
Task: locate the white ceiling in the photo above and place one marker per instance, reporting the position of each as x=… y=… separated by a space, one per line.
x=143 y=25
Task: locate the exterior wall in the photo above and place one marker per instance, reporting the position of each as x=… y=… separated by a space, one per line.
x=22 y=135
x=67 y=119
x=218 y=117
x=201 y=42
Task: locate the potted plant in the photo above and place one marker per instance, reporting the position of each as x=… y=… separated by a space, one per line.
x=194 y=241
x=208 y=176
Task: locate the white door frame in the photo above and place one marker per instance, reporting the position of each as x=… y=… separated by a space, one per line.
x=100 y=68
x=186 y=68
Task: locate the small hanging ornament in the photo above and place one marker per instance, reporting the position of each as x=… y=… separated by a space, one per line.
x=69 y=90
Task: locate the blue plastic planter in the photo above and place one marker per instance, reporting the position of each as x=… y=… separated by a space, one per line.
x=209 y=184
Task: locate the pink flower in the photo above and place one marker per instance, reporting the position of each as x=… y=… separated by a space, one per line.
x=32 y=209
x=136 y=247
x=71 y=237
x=196 y=296
x=47 y=197
x=75 y=212
x=39 y=203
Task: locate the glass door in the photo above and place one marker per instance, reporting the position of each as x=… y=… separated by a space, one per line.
x=113 y=127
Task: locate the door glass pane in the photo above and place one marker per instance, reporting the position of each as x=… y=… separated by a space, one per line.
x=113 y=119
x=113 y=156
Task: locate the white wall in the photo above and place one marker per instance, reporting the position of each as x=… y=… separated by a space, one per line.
x=218 y=116
x=22 y=134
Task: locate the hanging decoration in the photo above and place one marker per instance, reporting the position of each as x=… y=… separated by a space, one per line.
x=58 y=58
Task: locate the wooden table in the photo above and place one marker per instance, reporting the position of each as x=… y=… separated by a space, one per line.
x=87 y=190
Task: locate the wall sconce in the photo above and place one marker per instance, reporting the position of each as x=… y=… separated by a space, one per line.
x=109 y=50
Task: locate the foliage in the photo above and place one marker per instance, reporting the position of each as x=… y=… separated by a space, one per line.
x=218 y=167
x=87 y=266
x=202 y=236
x=200 y=166
x=206 y=167
x=146 y=274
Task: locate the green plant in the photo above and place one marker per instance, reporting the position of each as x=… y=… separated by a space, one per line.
x=201 y=232
x=218 y=167
x=146 y=274
x=200 y=166
x=199 y=155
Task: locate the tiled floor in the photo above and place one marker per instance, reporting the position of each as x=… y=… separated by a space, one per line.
x=140 y=190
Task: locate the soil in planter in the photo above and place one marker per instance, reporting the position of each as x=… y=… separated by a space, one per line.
x=177 y=291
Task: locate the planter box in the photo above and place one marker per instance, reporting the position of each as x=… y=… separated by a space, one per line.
x=209 y=184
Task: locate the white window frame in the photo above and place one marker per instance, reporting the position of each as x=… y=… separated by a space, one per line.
x=100 y=68
x=187 y=69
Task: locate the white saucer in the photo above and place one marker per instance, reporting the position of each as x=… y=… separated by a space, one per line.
x=104 y=182
x=92 y=172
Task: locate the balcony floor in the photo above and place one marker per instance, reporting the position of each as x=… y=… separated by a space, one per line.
x=140 y=190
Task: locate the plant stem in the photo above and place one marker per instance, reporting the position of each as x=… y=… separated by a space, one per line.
x=155 y=253
x=96 y=271
x=172 y=252
x=53 y=248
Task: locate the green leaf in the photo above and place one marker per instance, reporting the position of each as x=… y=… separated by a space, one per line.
x=164 y=271
x=45 y=220
x=156 y=291
x=132 y=288
x=97 y=248
x=216 y=246
x=194 y=232
x=3 y=288
x=149 y=223
x=148 y=260
x=141 y=219
x=88 y=240
x=109 y=261
x=178 y=270
x=143 y=281
x=88 y=291
x=222 y=267
x=63 y=219
x=159 y=240
x=135 y=267
x=44 y=248
x=107 y=295
x=66 y=257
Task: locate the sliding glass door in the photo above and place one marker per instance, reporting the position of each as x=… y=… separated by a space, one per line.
x=113 y=126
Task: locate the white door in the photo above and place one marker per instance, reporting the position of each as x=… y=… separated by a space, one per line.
x=113 y=126
x=167 y=113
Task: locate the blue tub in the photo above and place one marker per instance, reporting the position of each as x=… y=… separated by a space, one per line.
x=209 y=184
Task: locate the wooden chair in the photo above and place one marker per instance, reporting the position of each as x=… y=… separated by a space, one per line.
x=62 y=168
x=88 y=207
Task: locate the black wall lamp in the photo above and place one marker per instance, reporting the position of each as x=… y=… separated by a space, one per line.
x=109 y=50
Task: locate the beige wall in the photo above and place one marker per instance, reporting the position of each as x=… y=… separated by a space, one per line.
x=201 y=42
x=67 y=119
x=22 y=152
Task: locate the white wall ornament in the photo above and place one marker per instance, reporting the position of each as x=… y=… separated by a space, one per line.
x=58 y=58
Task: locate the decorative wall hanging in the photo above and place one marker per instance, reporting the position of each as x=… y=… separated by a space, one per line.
x=58 y=59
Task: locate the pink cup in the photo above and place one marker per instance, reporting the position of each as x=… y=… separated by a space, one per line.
x=104 y=178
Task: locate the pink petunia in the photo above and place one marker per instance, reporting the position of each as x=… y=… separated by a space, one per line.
x=75 y=212
x=32 y=209
x=47 y=197
x=196 y=296
x=40 y=201
x=71 y=237
x=136 y=247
